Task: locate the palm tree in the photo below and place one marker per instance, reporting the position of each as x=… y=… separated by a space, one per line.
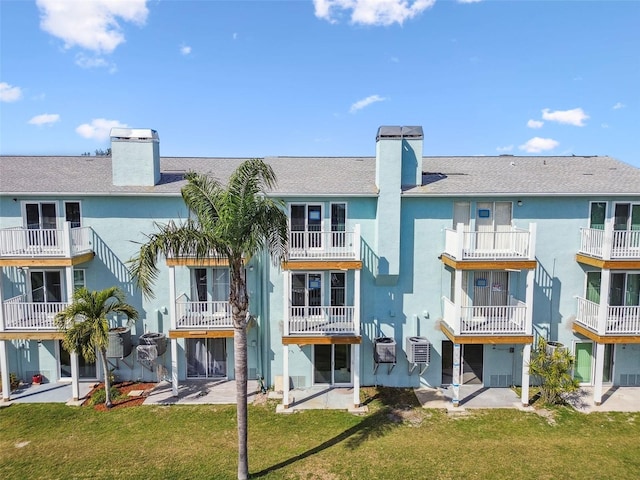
x=235 y=222
x=86 y=327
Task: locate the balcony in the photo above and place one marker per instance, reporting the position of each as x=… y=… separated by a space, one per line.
x=67 y=242
x=615 y=320
x=323 y=245
x=322 y=320
x=512 y=244
x=203 y=315
x=609 y=244
x=30 y=316
x=487 y=320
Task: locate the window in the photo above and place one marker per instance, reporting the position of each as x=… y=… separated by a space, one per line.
x=45 y=286
x=41 y=215
x=210 y=285
x=597 y=215
x=72 y=213
x=78 y=279
x=338 y=289
x=338 y=224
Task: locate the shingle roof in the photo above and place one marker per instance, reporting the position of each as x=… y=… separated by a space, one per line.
x=526 y=175
x=348 y=176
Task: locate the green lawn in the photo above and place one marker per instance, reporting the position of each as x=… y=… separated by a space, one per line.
x=396 y=439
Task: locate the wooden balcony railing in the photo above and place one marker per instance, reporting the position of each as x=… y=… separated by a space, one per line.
x=487 y=320
x=514 y=243
x=63 y=242
x=616 y=320
x=204 y=315
x=324 y=245
x=610 y=244
x=322 y=320
x=22 y=315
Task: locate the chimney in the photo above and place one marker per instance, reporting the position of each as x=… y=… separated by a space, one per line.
x=398 y=165
x=135 y=156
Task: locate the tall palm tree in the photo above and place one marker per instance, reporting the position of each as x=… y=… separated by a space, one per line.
x=235 y=222
x=86 y=327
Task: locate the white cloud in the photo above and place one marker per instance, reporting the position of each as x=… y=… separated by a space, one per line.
x=506 y=148
x=571 y=117
x=9 y=93
x=360 y=104
x=235 y=36
x=469 y=1
x=618 y=106
x=537 y=145
x=92 y=25
x=98 y=129
x=185 y=50
x=44 y=119
x=535 y=124
x=604 y=125
x=85 y=61
x=372 y=12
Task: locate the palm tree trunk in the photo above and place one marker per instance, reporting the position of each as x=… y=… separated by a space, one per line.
x=240 y=350
x=107 y=379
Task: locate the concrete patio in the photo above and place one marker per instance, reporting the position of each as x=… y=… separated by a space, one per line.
x=200 y=392
x=55 y=392
x=320 y=398
x=615 y=399
x=471 y=396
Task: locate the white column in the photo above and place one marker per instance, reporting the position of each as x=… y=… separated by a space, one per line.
x=528 y=317
x=526 y=358
x=286 y=302
x=459 y=251
x=285 y=376
x=457 y=301
x=173 y=326
x=2 y=319
x=603 y=309
x=174 y=366
x=607 y=243
x=4 y=370
x=66 y=233
x=457 y=373
x=597 y=390
x=356 y=374
x=73 y=356
x=532 y=241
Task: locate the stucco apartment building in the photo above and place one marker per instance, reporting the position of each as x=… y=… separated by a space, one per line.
x=403 y=269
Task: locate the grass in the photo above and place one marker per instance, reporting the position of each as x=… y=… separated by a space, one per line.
x=397 y=439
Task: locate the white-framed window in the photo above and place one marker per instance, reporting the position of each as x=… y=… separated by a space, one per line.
x=210 y=284
x=78 y=279
x=40 y=215
x=72 y=213
x=597 y=215
x=626 y=216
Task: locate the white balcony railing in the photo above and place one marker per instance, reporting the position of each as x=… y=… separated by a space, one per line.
x=609 y=243
x=324 y=245
x=487 y=320
x=22 y=315
x=203 y=315
x=64 y=242
x=323 y=320
x=618 y=320
x=514 y=243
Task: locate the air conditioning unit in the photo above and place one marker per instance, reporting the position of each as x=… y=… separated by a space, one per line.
x=384 y=350
x=418 y=350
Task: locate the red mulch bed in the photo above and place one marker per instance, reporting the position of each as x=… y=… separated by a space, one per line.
x=124 y=400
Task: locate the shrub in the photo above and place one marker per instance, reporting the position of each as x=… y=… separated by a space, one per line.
x=552 y=367
x=14 y=381
x=99 y=396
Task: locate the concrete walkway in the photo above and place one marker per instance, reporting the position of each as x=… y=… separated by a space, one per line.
x=615 y=399
x=55 y=392
x=320 y=398
x=199 y=392
x=471 y=396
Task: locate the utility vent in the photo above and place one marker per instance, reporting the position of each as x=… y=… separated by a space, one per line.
x=553 y=346
x=629 y=379
x=504 y=380
x=385 y=350
x=418 y=350
x=157 y=339
x=298 y=381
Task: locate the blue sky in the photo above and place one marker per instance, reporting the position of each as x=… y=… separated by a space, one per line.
x=244 y=79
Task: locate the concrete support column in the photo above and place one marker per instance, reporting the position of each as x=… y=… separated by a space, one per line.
x=526 y=358
x=285 y=376
x=355 y=365
x=457 y=373
x=4 y=370
x=603 y=309
x=75 y=376
x=73 y=356
x=597 y=390
x=174 y=367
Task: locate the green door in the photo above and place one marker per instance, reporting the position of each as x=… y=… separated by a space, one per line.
x=582 y=371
